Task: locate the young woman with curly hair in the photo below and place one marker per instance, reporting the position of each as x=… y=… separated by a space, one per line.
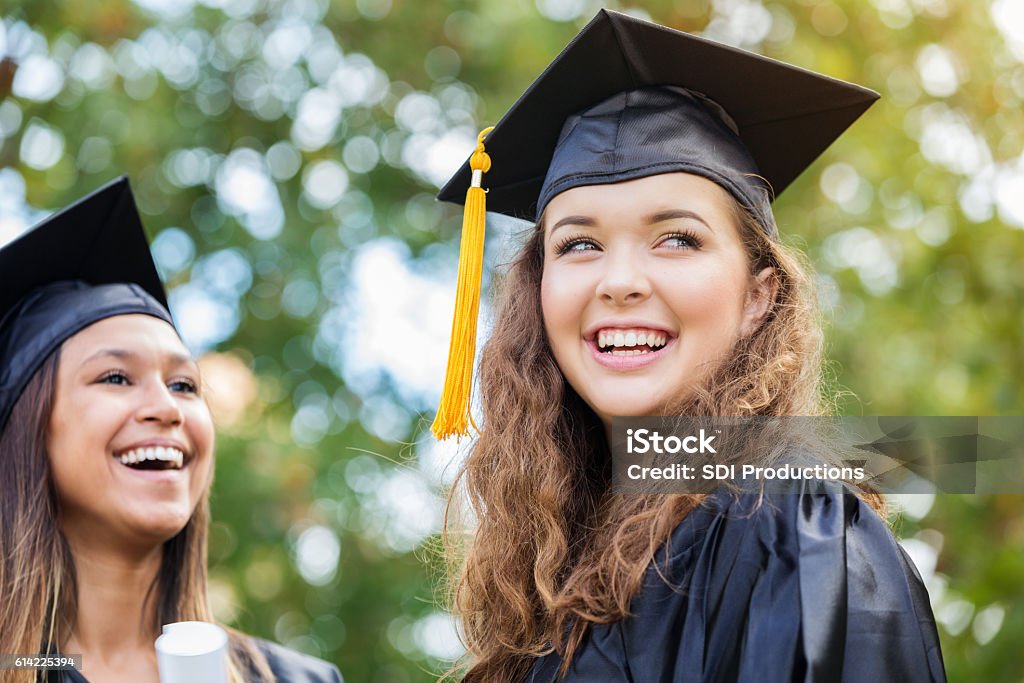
x=654 y=283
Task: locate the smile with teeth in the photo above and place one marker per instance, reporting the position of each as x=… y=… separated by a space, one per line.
x=632 y=341
x=153 y=458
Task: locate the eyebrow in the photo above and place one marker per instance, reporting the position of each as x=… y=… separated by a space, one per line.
x=585 y=221
x=660 y=216
x=677 y=213
x=176 y=358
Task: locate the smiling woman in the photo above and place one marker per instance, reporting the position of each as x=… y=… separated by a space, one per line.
x=655 y=283
x=106 y=457
x=646 y=287
x=140 y=406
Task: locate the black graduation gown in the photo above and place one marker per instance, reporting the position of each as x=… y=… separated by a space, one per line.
x=288 y=665
x=810 y=586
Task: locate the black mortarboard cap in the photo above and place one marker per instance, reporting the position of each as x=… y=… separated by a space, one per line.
x=85 y=263
x=593 y=117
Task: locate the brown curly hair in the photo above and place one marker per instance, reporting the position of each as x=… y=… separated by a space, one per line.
x=553 y=550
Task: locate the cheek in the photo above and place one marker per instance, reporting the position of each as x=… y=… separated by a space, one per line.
x=199 y=422
x=78 y=445
x=715 y=292
x=557 y=310
x=199 y=425
x=548 y=301
x=81 y=430
x=549 y=306
x=563 y=298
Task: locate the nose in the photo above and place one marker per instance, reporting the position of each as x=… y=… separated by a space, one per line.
x=624 y=281
x=159 y=405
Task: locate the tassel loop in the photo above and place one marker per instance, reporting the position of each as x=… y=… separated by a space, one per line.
x=453 y=415
x=480 y=160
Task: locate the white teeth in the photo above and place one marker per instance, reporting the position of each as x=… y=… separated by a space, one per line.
x=630 y=338
x=172 y=455
x=628 y=352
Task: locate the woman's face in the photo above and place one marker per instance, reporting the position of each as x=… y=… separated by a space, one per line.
x=646 y=286
x=130 y=437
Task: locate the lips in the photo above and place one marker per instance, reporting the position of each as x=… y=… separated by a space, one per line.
x=628 y=358
x=632 y=338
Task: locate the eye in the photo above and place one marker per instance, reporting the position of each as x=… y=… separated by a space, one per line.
x=114 y=377
x=680 y=240
x=184 y=386
x=575 y=245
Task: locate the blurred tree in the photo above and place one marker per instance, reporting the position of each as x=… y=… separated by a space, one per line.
x=285 y=154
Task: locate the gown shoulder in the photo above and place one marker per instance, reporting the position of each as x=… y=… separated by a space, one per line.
x=805 y=585
x=290 y=666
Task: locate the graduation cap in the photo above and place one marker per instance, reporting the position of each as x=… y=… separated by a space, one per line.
x=85 y=263
x=628 y=99
x=783 y=116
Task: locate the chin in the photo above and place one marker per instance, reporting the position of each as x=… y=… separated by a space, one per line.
x=623 y=407
x=635 y=397
x=164 y=522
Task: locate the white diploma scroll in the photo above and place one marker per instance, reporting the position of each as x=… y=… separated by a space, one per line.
x=192 y=652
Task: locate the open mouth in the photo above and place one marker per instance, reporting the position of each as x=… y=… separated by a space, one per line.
x=634 y=341
x=152 y=458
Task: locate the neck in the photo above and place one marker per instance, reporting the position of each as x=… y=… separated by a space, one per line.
x=113 y=616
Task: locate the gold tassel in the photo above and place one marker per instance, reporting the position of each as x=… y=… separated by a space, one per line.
x=453 y=415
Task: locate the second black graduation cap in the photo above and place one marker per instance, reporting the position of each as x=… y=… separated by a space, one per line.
x=88 y=262
x=98 y=239
x=785 y=116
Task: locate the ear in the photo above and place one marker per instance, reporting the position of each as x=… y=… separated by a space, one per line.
x=760 y=299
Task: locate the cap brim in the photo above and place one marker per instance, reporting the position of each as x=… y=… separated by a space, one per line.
x=98 y=239
x=786 y=116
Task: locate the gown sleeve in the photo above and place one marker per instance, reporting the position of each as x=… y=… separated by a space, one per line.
x=807 y=586
x=290 y=666
x=804 y=586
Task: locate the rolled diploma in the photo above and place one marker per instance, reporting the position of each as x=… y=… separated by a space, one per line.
x=192 y=652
